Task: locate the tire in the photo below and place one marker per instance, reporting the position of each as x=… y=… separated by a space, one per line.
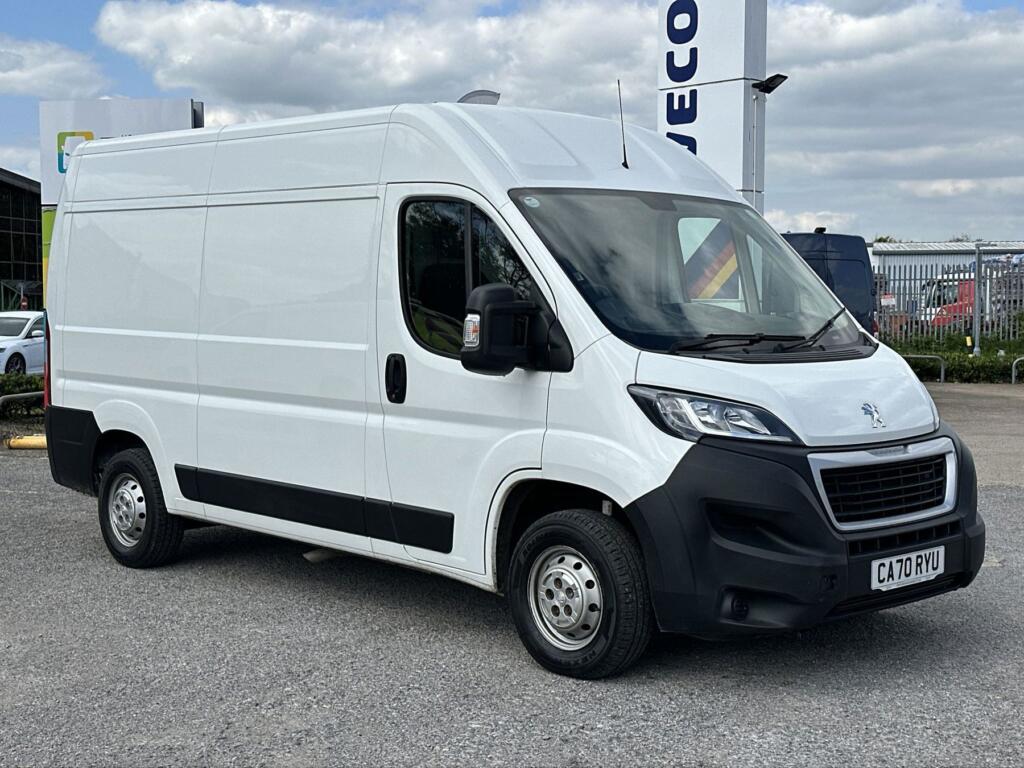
x=15 y=364
x=550 y=571
x=136 y=527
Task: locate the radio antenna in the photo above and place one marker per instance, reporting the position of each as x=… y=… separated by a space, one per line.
x=622 y=123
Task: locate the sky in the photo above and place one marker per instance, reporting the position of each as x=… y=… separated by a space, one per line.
x=900 y=117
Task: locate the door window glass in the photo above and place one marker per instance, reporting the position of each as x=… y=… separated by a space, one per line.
x=494 y=260
x=448 y=248
x=36 y=326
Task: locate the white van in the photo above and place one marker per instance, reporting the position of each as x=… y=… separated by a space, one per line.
x=468 y=339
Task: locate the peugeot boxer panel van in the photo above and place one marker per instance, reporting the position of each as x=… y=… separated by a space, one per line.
x=468 y=340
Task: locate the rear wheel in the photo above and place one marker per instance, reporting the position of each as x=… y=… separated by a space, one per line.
x=15 y=364
x=137 y=529
x=578 y=593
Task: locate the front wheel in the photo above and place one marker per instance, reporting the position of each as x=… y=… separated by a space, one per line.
x=578 y=593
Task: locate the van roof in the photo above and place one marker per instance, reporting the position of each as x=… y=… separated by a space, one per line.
x=484 y=145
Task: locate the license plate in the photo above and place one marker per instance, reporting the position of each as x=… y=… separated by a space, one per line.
x=911 y=568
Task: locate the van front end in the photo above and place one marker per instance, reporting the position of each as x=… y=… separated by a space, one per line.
x=748 y=537
x=810 y=476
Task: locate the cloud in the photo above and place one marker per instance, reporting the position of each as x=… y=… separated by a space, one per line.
x=807 y=221
x=939 y=187
x=560 y=54
x=23 y=160
x=905 y=113
x=890 y=103
x=215 y=115
x=1010 y=185
x=47 y=70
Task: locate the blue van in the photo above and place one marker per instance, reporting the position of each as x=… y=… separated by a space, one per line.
x=842 y=262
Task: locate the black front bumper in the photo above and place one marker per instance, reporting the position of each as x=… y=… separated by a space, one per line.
x=738 y=542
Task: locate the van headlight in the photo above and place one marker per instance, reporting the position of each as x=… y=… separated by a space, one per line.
x=693 y=416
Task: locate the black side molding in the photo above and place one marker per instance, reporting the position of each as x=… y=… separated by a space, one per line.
x=71 y=438
x=411 y=526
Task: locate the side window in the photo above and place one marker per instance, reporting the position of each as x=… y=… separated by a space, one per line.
x=449 y=247
x=494 y=260
x=36 y=326
x=434 y=272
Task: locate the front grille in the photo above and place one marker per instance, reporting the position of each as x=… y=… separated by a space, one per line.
x=919 y=537
x=879 y=491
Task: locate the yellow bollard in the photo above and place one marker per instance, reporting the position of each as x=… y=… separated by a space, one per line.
x=27 y=442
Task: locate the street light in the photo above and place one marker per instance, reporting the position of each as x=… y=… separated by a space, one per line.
x=769 y=84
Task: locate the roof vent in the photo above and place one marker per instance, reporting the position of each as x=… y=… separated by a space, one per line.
x=480 y=97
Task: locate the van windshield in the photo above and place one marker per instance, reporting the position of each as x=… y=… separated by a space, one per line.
x=666 y=272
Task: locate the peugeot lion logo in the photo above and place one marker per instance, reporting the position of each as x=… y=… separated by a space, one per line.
x=870 y=409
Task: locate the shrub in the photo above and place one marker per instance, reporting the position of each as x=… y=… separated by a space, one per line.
x=16 y=384
x=965 y=368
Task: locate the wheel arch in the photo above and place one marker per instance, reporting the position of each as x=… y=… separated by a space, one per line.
x=109 y=444
x=529 y=499
x=16 y=352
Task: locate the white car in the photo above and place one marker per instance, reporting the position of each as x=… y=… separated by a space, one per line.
x=22 y=342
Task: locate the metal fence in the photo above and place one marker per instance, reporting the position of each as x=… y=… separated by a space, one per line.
x=937 y=299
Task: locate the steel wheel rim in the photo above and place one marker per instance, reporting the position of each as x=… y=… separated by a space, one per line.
x=126 y=508
x=565 y=598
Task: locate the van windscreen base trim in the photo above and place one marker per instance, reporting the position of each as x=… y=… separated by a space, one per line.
x=406 y=525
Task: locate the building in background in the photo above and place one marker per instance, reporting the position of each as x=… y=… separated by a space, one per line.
x=931 y=289
x=21 y=243
x=943 y=254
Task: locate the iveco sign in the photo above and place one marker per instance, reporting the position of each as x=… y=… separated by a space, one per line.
x=681 y=63
x=712 y=52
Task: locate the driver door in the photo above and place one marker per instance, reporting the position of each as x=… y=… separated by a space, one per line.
x=450 y=436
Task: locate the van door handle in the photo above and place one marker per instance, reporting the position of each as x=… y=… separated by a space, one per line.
x=395 y=378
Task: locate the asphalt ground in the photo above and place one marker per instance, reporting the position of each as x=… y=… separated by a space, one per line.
x=244 y=653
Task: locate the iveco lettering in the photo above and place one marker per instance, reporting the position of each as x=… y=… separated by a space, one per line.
x=613 y=394
x=681 y=67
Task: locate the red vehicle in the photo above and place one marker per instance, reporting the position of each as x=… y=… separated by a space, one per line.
x=948 y=300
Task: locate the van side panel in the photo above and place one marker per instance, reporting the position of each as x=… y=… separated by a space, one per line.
x=172 y=171
x=128 y=339
x=329 y=158
x=284 y=334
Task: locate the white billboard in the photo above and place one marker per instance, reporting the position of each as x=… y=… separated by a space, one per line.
x=711 y=53
x=65 y=124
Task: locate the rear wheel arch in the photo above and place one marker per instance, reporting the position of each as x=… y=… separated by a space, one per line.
x=529 y=501
x=108 y=445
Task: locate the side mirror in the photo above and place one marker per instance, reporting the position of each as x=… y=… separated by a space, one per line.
x=494 y=335
x=37 y=334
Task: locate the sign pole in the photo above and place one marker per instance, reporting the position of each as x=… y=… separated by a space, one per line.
x=713 y=56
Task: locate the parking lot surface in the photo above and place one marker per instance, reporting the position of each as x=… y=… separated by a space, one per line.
x=245 y=653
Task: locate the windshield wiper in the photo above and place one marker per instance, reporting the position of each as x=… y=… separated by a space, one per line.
x=711 y=341
x=811 y=340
